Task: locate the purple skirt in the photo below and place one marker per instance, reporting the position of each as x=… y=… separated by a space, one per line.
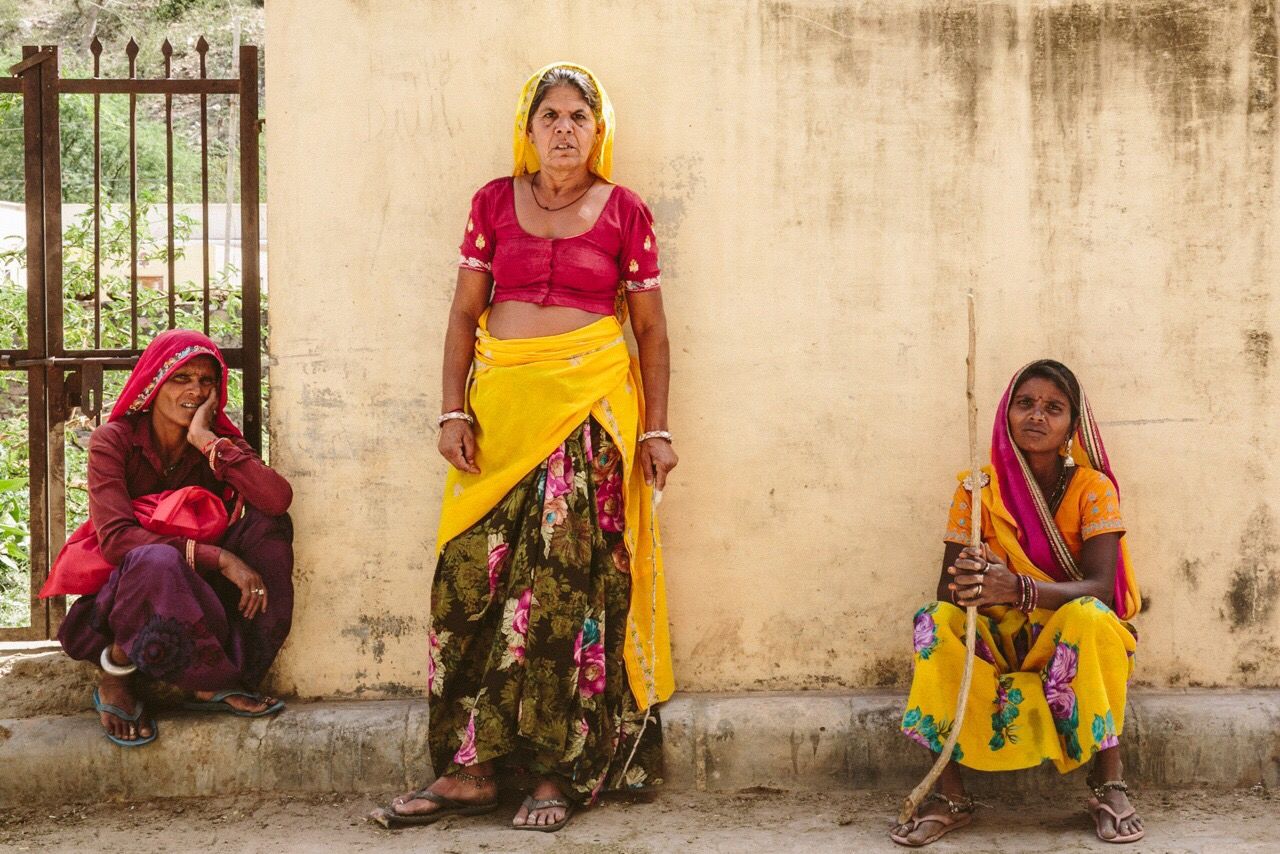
x=184 y=628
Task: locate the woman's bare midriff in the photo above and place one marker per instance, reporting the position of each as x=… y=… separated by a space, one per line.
x=512 y=319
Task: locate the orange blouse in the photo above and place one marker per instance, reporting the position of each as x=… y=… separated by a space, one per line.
x=1089 y=508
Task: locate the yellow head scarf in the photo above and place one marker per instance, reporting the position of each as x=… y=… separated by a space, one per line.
x=526 y=156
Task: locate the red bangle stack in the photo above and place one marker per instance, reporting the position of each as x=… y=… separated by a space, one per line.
x=1028 y=594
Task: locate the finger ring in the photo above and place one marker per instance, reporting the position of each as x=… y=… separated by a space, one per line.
x=259 y=591
x=977 y=590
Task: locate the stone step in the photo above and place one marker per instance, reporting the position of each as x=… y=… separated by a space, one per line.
x=720 y=743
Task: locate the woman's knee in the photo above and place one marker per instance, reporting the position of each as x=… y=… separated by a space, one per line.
x=154 y=557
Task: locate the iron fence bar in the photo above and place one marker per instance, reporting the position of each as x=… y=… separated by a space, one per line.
x=166 y=50
x=37 y=344
x=15 y=359
x=146 y=86
x=96 y=48
x=202 y=48
x=131 y=50
x=251 y=314
x=56 y=476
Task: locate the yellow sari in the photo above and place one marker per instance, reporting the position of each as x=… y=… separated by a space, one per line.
x=527 y=395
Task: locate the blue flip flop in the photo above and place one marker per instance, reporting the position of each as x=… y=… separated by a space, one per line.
x=218 y=703
x=120 y=713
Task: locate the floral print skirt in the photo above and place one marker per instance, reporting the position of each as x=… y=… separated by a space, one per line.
x=528 y=620
x=1046 y=685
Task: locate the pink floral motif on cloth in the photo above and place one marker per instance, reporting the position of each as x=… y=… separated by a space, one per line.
x=609 y=502
x=1057 y=687
x=520 y=624
x=467 y=754
x=498 y=551
x=588 y=654
x=559 y=474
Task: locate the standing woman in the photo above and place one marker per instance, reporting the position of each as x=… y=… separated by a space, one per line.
x=1053 y=585
x=205 y=616
x=548 y=640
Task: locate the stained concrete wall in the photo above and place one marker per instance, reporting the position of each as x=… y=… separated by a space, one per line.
x=828 y=178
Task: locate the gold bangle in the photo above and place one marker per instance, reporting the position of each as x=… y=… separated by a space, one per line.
x=191 y=553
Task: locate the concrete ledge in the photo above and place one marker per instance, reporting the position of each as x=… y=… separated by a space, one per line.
x=801 y=741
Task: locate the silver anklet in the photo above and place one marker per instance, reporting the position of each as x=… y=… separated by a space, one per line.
x=111 y=667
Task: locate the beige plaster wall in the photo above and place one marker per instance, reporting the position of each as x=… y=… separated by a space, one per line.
x=828 y=179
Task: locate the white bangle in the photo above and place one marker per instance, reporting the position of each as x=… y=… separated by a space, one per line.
x=654 y=434
x=113 y=668
x=456 y=415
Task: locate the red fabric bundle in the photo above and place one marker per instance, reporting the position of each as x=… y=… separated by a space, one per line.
x=191 y=512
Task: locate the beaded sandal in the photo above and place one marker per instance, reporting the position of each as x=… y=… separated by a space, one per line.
x=1097 y=807
x=959 y=813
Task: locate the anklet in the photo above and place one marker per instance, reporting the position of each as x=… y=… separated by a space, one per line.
x=111 y=667
x=476 y=780
x=1108 y=786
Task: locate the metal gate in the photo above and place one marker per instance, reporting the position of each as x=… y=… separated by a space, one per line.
x=60 y=379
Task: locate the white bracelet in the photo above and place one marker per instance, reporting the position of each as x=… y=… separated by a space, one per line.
x=113 y=668
x=456 y=415
x=654 y=434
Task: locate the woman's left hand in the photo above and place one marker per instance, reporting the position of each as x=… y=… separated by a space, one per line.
x=656 y=458
x=981 y=579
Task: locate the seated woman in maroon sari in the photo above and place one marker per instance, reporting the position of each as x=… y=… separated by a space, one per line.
x=207 y=617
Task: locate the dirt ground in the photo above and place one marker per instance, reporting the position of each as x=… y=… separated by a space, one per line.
x=755 y=821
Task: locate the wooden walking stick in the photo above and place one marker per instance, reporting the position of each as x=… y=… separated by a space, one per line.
x=974 y=483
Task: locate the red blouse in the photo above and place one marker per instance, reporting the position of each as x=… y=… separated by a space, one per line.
x=584 y=271
x=123 y=464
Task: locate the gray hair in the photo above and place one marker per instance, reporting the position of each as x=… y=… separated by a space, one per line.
x=564 y=76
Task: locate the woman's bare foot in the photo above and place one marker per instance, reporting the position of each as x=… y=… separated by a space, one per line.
x=1108 y=768
x=114 y=691
x=466 y=791
x=545 y=790
x=239 y=702
x=951 y=787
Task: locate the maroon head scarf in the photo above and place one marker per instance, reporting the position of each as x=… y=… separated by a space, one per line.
x=164 y=355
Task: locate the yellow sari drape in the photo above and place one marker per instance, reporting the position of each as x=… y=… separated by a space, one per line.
x=527 y=395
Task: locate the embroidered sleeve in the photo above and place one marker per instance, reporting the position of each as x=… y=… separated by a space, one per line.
x=476 y=251
x=638 y=258
x=960 y=518
x=1100 y=510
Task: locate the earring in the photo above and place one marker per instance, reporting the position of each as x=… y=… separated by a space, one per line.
x=1069 y=462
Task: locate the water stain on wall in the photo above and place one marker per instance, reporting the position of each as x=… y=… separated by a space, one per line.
x=1257 y=350
x=1255 y=584
x=1189 y=571
x=372 y=632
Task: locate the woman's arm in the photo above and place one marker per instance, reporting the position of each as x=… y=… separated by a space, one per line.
x=1000 y=585
x=236 y=463
x=649 y=324
x=470 y=298
x=262 y=486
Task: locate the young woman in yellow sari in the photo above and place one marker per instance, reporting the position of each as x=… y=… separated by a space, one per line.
x=548 y=639
x=1054 y=585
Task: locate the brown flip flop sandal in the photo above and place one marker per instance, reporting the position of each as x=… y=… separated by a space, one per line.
x=959 y=814
x=390 y=819
x=531 y=804
x=1097 y=806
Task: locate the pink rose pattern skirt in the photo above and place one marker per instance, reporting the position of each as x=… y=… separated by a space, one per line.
x=528 y=621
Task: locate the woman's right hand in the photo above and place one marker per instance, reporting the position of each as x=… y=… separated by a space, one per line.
x=253 y=591
x=458 y=445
